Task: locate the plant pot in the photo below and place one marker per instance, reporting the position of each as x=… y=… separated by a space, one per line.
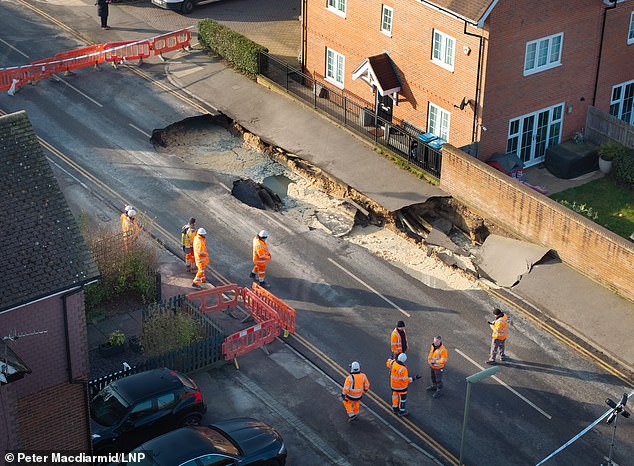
x=108 y=351
x=605 y=165
x=135 y=344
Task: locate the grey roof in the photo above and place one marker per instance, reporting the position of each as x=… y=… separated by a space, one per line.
x=473 y=10
x=42 y=250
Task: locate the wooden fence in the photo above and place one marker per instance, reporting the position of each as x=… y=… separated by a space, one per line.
x=602 y=127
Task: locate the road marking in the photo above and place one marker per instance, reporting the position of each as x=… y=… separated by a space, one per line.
x=140 y=130
x=12 y=47
x=225 y=186
x=508 y=387
x=387 y=300
x=278 y=223
x=78 y=91
x=193 y=69
x=81 y=183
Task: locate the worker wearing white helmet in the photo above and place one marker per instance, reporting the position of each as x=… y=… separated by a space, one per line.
x=399 y=382
x=201 y=257
x=261 y=257
x=129 y=225
x=354 y=387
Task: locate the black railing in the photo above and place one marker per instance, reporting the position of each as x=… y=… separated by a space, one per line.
x=354 y=113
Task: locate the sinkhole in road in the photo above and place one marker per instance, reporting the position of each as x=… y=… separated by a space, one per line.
x=217 y=144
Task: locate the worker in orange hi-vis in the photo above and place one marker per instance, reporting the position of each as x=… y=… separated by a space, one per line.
x=201 y=256
x=354 y=387
x=261 y=256
x=398 y=339
x=124 y=217
x=129 y=225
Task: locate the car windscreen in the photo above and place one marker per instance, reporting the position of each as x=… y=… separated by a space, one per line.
x=108 y=407
x=221 y=442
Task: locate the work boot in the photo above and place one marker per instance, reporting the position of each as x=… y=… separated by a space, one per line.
x=437 y=394
x=352 y=418
x=252 y=275
x=504 y=357
x=431 y=388
x=403 y=413
x=263 y=284
x=491 y=361
x=196 y=285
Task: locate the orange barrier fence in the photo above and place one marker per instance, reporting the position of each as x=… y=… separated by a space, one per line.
x=286 y=313
x=77 y=58
x=247 y=340
x=216 y=299
x=172 y=41
x=119 y=51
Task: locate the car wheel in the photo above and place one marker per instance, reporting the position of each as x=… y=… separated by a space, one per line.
x=188 y=7
x=192 y=419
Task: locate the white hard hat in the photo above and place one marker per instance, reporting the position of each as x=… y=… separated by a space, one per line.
x=263 y=234
x=128 y=207
x=355 y=367
x=202 y=231
x=131 y=213
x=402 y=357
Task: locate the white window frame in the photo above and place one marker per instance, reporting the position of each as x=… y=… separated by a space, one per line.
x=630 y=36
x=338 y=7
x=338 y=67
x=535 y=47
x=386 y=26
x=617 y=102
x=445 y=53
x=441 y=121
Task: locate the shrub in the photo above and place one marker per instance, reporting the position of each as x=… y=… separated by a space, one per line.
x=167 y=331
x=240 y=52
x=623 y=168
x=116 y=338
x=609 y=150
x=582 y=209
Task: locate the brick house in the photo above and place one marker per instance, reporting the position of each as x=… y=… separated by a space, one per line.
x=490 y=76
x=45 y=267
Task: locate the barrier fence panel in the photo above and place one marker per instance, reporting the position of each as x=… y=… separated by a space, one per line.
x=172 y=41
x=286 y=313
x=128 y=50
x=258 y=308
x=216 y=299
x=247 y=340
x=77 y=58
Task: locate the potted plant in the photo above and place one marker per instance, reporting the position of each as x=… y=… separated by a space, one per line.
x=607 y=152
x=114 y=346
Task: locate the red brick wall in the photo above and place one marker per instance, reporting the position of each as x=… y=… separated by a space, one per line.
x=582 y=244
x=509 y=94
x=54 y=419
x=358 y=36
x=617 y=61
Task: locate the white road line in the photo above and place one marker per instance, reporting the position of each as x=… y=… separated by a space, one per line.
x=608 y=459
x=68 y=173
x=278 y=223
x=225 y=186
x=193 y=69
x=505 y=385
x=140 y=130
x=79 y=92
x=370 y=288
x=12 y=47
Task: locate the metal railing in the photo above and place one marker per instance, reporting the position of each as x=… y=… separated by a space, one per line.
x=353 y=113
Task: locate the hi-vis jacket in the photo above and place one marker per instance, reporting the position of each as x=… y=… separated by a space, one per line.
x=188 y=233
x=129 y=226
x=399 y=377
x=200 y=251
x=261 y=254
x=437 y=357
x=355 y=385
x=500 y=328
x=398 y=342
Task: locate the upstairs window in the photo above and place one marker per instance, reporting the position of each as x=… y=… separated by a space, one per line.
x=338 y=6
x=386 y=20
x=630 y=36
x=622 y=102
x=443 y=50
x=542 y=54
x=335 y=64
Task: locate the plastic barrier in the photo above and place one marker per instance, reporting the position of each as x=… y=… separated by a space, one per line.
x=7 y=76
x=129 y=50
x=247 y=340
x=286 y=313
x=77 y=58
x=172 y=41
x=217 y=299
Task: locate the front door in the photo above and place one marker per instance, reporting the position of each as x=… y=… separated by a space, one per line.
x=384 y=107
x=530 y=135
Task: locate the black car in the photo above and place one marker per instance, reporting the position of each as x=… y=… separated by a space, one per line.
x=139 y=407
x=231 y=442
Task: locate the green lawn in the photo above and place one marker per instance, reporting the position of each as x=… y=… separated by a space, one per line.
x=613 y=204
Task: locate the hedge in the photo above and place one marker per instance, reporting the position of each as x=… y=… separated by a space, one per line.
x=623 y=167
x=240 y=52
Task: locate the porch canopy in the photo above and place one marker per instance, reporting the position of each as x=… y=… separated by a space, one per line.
x=379 y=73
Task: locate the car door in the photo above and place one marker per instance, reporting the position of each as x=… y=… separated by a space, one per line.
x=138 y=425
x=165 y=419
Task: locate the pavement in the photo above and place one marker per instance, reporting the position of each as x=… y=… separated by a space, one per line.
x=577 y=303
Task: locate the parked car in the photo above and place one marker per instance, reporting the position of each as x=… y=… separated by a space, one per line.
x=184 y=6
x=139 y=407
x=238 y=441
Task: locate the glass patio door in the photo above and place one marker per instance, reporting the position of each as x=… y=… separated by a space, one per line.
x=530 y=135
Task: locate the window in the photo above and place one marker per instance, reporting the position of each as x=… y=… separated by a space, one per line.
x=630 y=36
x=386 y=20
x=335 y=63
x=165 y=401
x=443 y=50
x=622 y=102
x=543 y=54
x=438 y=121
x=338 y=6
x=141 y=409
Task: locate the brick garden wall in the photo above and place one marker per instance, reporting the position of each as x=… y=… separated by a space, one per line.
x=579 y=242
x=54 y=419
